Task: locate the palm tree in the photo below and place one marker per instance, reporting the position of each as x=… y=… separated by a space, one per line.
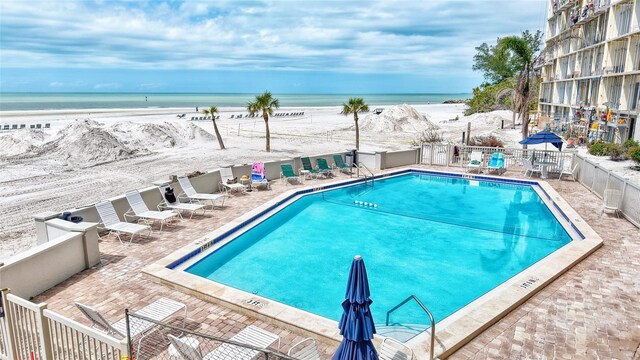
x=213 y=110
x=526 y=79
x=266 y=103
x=354 y=106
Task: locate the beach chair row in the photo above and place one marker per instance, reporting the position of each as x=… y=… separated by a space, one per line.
x=308 y=171
x=24 y=126
x=288 y=114
x=139 y=218
x=245 y=116
x=249 y=116
x=204 y=117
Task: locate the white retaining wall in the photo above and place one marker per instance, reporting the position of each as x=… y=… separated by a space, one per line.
x=73 y=249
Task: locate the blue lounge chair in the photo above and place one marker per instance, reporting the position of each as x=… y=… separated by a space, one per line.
x=288 y=175
x=257 y=176
x=307 y=167
x=341 y=165
x=496 y=163
x=324 y=167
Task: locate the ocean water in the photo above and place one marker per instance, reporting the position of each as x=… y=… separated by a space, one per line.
x=62 y=101
x=448 y=241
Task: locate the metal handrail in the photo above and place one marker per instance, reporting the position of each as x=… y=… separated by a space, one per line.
x=361 y=166
x=424 y=308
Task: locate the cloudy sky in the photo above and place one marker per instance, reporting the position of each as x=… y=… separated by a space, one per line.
x=236 y=46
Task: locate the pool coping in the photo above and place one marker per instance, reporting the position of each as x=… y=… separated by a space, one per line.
x=451 y=333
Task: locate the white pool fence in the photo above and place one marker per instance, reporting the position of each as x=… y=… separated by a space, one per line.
x=589 y=173
x=32 y=332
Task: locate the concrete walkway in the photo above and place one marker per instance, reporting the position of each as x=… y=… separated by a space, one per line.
x=591 y=312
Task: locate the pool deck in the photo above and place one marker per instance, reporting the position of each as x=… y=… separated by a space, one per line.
x=591 y=311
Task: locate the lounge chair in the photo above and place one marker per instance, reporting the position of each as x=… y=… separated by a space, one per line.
x=109 y=221
x=251 y=335
x=180 y=116
x=566 y=169
x=341 y=165
x=139 y=210
x=392 y=349
x=257 y=175
x=323 y=167
x=307 y=167
x=611 y=201
x=227 y=181
x=287 y=175
x=190 y=194
x=179 y=207
x=475 y=162
x=306 y=349
x=530 y=168
x=496 y=163
x=159 y=310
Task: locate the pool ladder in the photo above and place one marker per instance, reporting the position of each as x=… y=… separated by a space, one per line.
x=424 y=308
x=366 y=173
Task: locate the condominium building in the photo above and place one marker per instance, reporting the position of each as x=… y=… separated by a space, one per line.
x=590 y=67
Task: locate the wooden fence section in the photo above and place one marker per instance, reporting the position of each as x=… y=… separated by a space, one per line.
x=30 y=331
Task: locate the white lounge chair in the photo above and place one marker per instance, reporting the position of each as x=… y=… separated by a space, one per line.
x=251 y=335
x=392 y=349
x=530 y=168
x=179 y=207
x=189 y=193
x=306 y=349
x=109 y=221
x=611 y=201
x=566 y=169
x=159 y=311
x=140 y=210
x=475 y=162
x=226 y=174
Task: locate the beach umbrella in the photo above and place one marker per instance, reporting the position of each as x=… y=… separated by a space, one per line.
x=356 y=324
x=544 y=137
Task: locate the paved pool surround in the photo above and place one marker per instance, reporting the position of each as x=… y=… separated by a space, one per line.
x=451 y=333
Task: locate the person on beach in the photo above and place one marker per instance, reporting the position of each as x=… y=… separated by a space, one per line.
x=196 y=109
x=145 y=98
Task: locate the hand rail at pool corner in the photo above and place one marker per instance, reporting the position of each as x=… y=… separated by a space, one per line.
x=361 y=166
x=424 y=308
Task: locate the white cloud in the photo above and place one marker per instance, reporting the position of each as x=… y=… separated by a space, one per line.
x=106 y=86
x=374 y=36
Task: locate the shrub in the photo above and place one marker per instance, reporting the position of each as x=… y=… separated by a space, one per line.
x=615 y=151
x=630 y=144
x=634 y=154
x=427 y=137
x=598 y=148
x=490 y=141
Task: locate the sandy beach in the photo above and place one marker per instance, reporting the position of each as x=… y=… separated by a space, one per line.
x=89 y=155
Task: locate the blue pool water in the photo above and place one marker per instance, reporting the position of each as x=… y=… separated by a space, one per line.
x=446 y=240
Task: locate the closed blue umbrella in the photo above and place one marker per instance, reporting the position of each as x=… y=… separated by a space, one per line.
x=356 y=324
x=543 y=137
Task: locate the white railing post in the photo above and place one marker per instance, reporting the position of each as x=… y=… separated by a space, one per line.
x=7 y=327
x=44 y=334
x=431 y=154
x=448 y=152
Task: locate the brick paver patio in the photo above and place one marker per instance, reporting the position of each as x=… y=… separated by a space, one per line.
x=591 y=312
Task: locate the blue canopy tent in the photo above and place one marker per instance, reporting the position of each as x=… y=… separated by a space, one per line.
x=356 y=324
x=544 y=137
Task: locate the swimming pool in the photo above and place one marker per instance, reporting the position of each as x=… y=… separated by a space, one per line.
x=446 y=239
